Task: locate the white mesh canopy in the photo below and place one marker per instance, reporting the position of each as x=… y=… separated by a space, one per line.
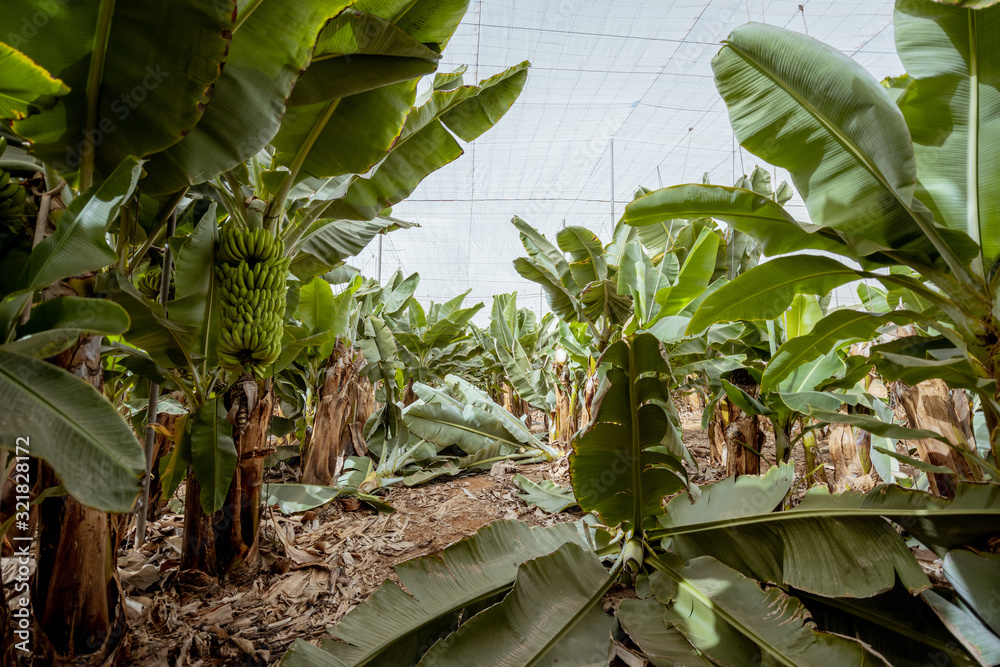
x=620 y=95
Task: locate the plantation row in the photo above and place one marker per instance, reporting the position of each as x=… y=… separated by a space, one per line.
x=177 y=303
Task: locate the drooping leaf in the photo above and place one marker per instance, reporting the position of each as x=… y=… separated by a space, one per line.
x=424 y=146
x=393 y=628
x=643 y=621
x=709 y=594
x=813 y=547
x=57 y=323
x=552 y=616
x=78 y=245
x=248 y=99
x=624 y=465
x=213 y=454
x=545 y=494
x=152 y=84
x=26 y=88
x=65 y=421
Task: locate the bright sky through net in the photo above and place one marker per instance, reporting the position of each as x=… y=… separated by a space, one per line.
x=628 y=74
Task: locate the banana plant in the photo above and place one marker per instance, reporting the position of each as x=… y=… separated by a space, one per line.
x=434 y=342
x=525 y=596
x=882 y=187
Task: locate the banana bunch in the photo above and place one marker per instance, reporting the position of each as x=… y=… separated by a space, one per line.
x=251 y=269
x=12 y=195
x=149 y=283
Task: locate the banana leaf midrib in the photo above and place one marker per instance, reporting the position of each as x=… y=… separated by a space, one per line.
x=777 y=654
x=820 y=513
x=376 y=652
x=878 y=619
x=932 y=235
x=583 y=611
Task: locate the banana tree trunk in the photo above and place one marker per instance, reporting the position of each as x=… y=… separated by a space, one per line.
x=226 y=543
x=848 y=469
x=564 y=417
x=78 y=605
x=237 y=524
x=162 y=446
x=346 y=401
x=930 y=405
x=741 y=432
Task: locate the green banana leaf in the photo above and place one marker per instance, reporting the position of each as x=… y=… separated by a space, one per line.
x=819 y=555
x=710 y=603
x=837 y=329
x=363 y=74
x=248 y=99
x=601 y=299
x=60 y=418
x=663 y=645
x=802 y=316
x=899 y=626
x=976 y=578
x=425 y=144
x=213 y=454
x=546 y=494
x=395 y=628
x=765 y=291
x=694 y=277
x=27 y=88
x=472 y=395
x=562 y=300
x=166 y=342
x=78 y=245
x=644 y=282
x=587 y=253
x=470 y=427
x=563 y=591
x=629 y=458
x=58 y=323
x=967 y=627
x=858 y=155
x=953 y=113
x=744 y=210
x=134 y=87
x=823 y=526
x=197 y=297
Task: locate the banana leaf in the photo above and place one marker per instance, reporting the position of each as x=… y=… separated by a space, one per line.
x=58 y=417
x=721 y=612
x=629 y=459
x=134 y=88
x=27 y=88
x=565 y=624
x=394 y=627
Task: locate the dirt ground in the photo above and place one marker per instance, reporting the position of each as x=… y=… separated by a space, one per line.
x=320 y=565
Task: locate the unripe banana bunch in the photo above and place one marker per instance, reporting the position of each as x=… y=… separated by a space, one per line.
x=12 y=195
x=149 y=283
x=251 y=269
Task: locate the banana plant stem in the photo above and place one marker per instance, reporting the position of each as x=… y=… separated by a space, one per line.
x=274 y=211
x=154 y=395
x=94 y=75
